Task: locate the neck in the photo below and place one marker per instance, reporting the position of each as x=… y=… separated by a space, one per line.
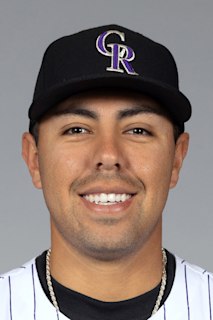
x=107 y=280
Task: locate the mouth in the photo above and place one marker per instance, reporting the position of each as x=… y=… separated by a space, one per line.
x=107 y=199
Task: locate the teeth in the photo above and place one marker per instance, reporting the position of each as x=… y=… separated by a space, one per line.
x=118 y=197
x=107 y=198
x=90 y=198
x=96 y=198
x=103 y=197
x=111 y=197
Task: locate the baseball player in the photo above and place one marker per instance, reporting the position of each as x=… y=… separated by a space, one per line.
x=106 y=143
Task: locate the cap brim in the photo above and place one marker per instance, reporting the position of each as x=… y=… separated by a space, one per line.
x=176 y=103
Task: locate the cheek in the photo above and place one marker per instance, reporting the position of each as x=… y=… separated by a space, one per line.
x=153 y=165
x=61 y=166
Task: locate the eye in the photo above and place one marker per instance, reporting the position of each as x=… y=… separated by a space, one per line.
x=76 y=131
x=139 y=131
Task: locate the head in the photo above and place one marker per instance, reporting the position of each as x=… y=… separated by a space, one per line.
x=106 y=144
x=107 y=158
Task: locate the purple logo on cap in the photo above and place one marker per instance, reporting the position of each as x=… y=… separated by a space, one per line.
x=120 y=54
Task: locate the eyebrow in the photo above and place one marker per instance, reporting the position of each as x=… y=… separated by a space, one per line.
x=122 y=114
x=133 y=111
x=80 y=111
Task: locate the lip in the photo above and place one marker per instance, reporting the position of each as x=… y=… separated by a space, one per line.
x=107 y=189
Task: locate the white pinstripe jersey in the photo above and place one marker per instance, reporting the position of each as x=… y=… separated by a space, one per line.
x=191 y=297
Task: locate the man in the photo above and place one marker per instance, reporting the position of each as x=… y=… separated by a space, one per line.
x=106 y=143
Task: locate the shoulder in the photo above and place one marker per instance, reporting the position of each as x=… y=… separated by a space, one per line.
x=22 y=296
x=18 y=273
x=194 y=281
x=17 y=277
x=193 y=272
x=13 y=283
x=191 y=296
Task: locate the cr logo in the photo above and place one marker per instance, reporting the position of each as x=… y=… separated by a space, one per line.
x=120 y=54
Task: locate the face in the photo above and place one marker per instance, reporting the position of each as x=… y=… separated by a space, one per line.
x=105 y=163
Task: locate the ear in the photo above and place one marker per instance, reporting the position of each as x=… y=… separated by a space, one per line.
x=181 y=149
x=30 y=156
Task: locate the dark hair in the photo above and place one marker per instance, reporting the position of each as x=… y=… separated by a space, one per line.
x=34 y=131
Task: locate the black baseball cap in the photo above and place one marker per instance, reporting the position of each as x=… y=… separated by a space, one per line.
x=109 y=56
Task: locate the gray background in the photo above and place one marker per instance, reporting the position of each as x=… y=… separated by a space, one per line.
x=26 y=28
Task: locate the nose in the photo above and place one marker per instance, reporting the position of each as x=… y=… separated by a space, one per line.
x=108 y=154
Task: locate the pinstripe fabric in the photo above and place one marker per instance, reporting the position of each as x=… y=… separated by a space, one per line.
x=210 y=300
x=187 y=292
x=22 y=297
x=34 y=293
x=164 y=310
x=9 y=280
x=57 y=314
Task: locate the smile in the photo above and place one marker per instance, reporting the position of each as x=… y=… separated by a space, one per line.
x=107 y=199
